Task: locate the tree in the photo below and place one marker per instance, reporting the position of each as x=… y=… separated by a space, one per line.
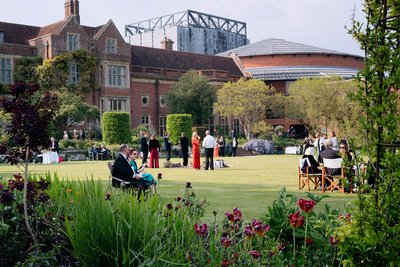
x=177 y=124
x=73 y=110
x=247 y=100
x=31 y=112
x=116 y=128
x=192 y=94
x=371 y=239
x=324 y=103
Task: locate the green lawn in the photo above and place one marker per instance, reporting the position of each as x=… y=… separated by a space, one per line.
x=250 y=183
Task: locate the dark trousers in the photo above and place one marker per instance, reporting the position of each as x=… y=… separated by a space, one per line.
x=168 y=154
x=141 y=185
x=233 y=152
x=185 y=156
x=144 y=158
x=209 y=158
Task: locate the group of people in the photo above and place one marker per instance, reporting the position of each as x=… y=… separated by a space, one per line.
x=126 y=169
x=100 y=153
x=327 y=148
x=81 y=135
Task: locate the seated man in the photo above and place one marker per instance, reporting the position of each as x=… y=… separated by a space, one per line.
x=309 y=154
x=105 y=152
x=329 y=153
x=123 y=170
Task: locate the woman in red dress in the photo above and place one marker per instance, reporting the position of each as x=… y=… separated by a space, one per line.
x=216 y=148
x=196 y=150
x=154 y=147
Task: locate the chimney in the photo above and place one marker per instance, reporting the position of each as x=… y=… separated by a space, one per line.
x=72 y=9
x=167 y=44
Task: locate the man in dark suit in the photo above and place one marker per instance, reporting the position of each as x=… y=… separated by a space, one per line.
x=123 y=170
x=53 y=145
x=184 y=142
x=144 y=147
x=329 y=153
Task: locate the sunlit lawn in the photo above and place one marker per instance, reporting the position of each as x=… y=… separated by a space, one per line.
x=250 y=183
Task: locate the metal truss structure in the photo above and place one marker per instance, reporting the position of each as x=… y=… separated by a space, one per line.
x=188 y=19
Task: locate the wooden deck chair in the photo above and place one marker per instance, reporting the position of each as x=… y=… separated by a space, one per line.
x=337 y=181
x=308 y=176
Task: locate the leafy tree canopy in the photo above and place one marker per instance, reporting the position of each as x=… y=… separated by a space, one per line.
x=247 y=100
x=192 y=94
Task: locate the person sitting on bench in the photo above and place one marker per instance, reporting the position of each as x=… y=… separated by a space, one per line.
x=123 y=170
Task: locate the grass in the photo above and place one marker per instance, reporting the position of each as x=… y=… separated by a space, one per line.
x=250 y=183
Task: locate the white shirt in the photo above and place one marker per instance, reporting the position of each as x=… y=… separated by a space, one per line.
x=209 y=142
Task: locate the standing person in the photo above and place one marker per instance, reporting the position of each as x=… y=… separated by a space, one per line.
x=216 y=148
x=209 y=144
x=154 y=147
x=167 y=145
x=82 y=135
x=235 y=144
x=75 y=134
x=65 y=136
x=196 y=150
x=53 y=145
x=334 y=141
x=184 y=142
x=221 y=146
x=144 y=146
x=319 y=144
x=123 y=170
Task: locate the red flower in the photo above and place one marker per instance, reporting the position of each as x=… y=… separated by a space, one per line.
x=295 y=220
x=260 y=228
x=108 y=196
x=201 y=229
x=248 y=232
x=333 y=241
x=309 y=240
x=226 y=241
x=306 y=205
x=188 y=185
x=230 y=216
x=254 y=254
x=226 y=263
x=159 y=175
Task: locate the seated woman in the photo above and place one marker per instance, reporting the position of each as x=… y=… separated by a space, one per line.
x=309 y=154
x=146 y=177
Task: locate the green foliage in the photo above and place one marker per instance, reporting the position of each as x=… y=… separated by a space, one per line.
x=26 y=69
x=324 y=103
x=116 y=128
x=247 y=100
x=54 y=72
x=177 y=124
x=192 y=95
x=371 y=239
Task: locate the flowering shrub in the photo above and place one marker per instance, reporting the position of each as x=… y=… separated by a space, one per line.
x=15 y=241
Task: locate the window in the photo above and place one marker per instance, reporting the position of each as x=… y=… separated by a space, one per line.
x=162 y=126
x=117 y=104
x=116 y=75
x=73 y=42
x=74 y=74
x=223 y=124
x=163 y=102
x=111 y=46
x=209 y=122
x=1 y=37
x=145 y=100
x=145 y=120
x=5 y=70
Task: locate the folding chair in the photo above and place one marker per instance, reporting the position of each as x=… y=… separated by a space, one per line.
x=336 y=181
x=308 y=175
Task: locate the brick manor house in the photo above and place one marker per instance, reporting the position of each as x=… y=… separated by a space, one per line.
x=135 y=79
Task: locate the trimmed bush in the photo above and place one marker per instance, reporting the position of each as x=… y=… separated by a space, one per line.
x=178 y=123
x=116 y=128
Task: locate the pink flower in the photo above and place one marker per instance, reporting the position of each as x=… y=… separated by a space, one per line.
x=306 y=205
x=295 y=220
x=260 y=228
x=201 y=229
x=333 y=241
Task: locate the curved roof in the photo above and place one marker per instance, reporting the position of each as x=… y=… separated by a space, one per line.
x=298 y=72
x=279 y=47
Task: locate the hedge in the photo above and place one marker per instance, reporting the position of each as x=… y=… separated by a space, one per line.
x=116 y=127
x=178 y=123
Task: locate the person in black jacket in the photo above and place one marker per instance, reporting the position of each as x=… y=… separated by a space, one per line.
x=123 y=170
x=184 y=142
x=53 y=145
x=144 y=146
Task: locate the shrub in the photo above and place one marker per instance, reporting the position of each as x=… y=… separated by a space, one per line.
x=178 y=123
x=116 y=128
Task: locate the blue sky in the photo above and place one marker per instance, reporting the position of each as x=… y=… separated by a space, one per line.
x=319 y=23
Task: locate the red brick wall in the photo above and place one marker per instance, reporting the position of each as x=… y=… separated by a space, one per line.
x=302 y=60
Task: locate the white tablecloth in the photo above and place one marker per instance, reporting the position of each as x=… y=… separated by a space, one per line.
x=50 y=157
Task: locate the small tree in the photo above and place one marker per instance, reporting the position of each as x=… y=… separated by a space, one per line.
x=192 y=95
x=247 y=100
x=177 y=124
x=31 y=113
x=116 y=128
